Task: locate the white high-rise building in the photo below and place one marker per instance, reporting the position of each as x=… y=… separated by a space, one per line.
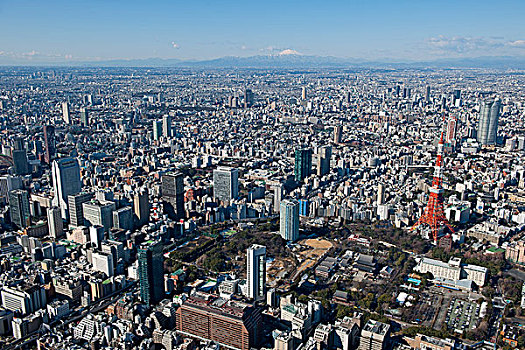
x=256 y=272
x=65 y=113
x=225 y=183
x=289 y=219
x=278 y=192
x=66 y=181
x=103 y=262
x=54 y=222
x=380 y=194
x=166 y=126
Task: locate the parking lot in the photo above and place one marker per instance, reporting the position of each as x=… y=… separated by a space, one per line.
x=462 y=315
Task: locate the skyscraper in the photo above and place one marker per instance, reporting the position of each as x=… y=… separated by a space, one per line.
x=225 y=183
x=123 y=218
x=65 y=113
x=50 y=142
x=248 y=98
x=289 y=219
x=256 y=272
x=66 y=181
x=166 y=126
x=488 y=122
x=96 y=235
x=278 y=192
x=173 y=194
x=84 y=116
x=323 y=160
x=451 y=129
x=303 y=93
x=54 y=222
x=76 y=211
x=338 y=134
x=19 y=208
x=157 y=129
x=141 y=206
x=9 y=183
x=303 y=164
x=380 y=194
x=20 y=164
x=151 y=272
x=99 y=213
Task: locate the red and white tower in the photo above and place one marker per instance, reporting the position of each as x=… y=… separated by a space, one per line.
x=434 y=215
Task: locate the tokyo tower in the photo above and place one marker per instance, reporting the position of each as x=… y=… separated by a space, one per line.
x=434 y=214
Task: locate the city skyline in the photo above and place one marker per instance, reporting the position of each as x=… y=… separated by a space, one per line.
x=59 y=32
x=313 y=175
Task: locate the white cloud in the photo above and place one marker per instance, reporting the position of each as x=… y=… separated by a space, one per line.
x=472 y=46
x=462 y=45
x=517 y=43
x=175 y=45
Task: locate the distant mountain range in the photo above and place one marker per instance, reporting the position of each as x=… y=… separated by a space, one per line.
x=292 y=61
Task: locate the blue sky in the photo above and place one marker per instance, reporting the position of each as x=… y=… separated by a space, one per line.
x=192 y=29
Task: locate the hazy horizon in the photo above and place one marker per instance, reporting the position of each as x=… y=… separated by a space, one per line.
x=71 y=31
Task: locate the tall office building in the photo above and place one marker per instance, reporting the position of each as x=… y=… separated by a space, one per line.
x=303 y=93
x=99 y=213
x=452 y=126
x=427 y=94
x=49 y=143
x=103 y=262
x=488 y=122
x=20 y=163
x=157 y=129
x=456 y=94
x=225 y=183
x=76 y=211
x=18 y=143
x=24 y=298
x=375 y=335
x=141 y=206
x=84 y=116
x=256 y=272
x=66 y=181
x=65 y=113
x=96 y=235
x=248 y=98
x=123 y=218
x=19 y=208
x=166 y=126
x=151 y=272
x=338 y=134
x=323 y=160
x=289 y=219
x=303 y=164
x=55 y=222
x=380 y=194
x=172 y=186
x=9 y=183
x=230 y=324
x=278 y=193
